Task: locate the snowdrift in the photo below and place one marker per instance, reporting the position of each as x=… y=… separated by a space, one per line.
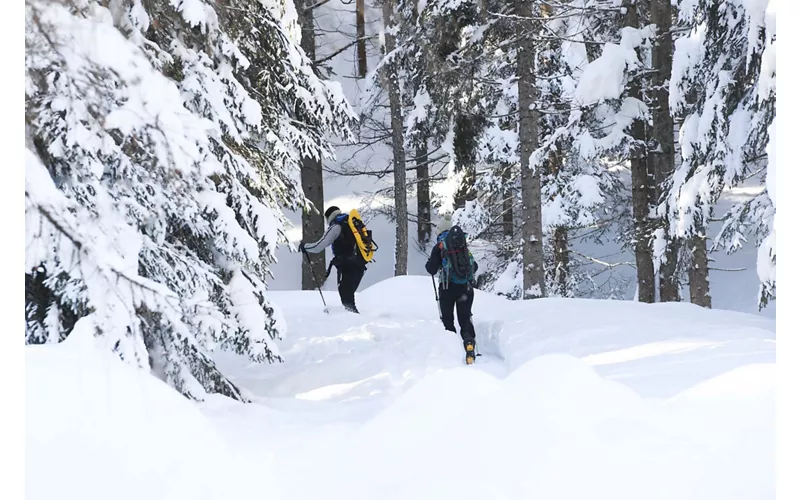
x=97 y=428
x=572 y=399
x=554 y=429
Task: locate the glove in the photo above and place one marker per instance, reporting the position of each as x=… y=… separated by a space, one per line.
x=302 y=247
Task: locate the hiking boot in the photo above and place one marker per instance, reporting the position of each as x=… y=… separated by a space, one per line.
x=470 y=350
x=351 y=308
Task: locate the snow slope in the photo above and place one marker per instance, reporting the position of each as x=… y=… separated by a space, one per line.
x=572 y=399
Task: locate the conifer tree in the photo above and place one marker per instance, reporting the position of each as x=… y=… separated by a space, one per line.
x=162 y=141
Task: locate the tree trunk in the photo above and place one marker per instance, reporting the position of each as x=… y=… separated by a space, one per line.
x=663 y=126
x=532 y=252
x=560 y=235
x=313 y=221
x=464 y=142
x=640 y=189
x=311 y=170
x=561 y=253
x=361 y=41
x=423 y=195
x=699 y=284
x=483 y=10
x=699 y=291
x=398 y=153
x=508 y=202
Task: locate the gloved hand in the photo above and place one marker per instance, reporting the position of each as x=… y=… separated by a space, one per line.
x=302 y=247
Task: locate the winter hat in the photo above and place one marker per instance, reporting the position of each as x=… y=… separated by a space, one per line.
x=331 y=213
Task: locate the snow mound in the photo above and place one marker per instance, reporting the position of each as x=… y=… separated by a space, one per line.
x=571 y=399
x=555 y=429
x=97 y=428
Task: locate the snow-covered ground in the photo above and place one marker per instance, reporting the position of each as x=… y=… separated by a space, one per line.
x=572 y=399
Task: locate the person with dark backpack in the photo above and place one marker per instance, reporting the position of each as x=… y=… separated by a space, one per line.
x=456 y=266
x=352 y=247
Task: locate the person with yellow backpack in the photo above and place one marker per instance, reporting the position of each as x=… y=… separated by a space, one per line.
x=352 y=247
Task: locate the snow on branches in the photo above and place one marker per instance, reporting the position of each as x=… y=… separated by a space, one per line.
x=726 y=135
x=162 y=143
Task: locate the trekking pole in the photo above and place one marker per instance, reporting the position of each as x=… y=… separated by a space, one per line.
x=436 y=294
x=314 y=276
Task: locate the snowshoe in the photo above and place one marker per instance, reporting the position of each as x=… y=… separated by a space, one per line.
x=470 y=351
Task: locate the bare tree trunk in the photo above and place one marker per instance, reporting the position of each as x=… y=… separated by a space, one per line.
x=663 y=127
x=398 y=153
x=508 y=202
x=423 y=195
x=311 y=169
x=640 y=189
x=699 y=290
x=313 y=221
x=532 y=252
x=361 y=41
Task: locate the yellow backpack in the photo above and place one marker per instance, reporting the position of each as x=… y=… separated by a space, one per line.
x=366 y=245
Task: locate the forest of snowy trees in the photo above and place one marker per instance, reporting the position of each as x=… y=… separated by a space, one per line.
x=538 y=124
x=166 y=141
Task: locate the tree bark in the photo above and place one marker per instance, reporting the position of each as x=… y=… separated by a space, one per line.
x=561 y=253
x=560 y=235
x=423 y=195
x=533 y=282
x=663 y=127
x=361 y=41
x=640 y=188
x=699 y=290
x=398 y=152
x=508 y=202
x=311 y=170
x=464 y=147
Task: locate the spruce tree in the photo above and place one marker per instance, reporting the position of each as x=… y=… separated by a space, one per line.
x=163 y=140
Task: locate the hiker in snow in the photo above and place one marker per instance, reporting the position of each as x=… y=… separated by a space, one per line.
x=453 y=261
x=348 y=259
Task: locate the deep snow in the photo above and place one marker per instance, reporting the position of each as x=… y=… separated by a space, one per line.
x=97 y=428
x=571 y=399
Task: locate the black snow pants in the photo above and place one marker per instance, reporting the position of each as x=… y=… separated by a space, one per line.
x=460 y=296
x=348 y=278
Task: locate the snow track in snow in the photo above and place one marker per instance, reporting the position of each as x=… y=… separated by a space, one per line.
x=382 y=405
x=664 y=402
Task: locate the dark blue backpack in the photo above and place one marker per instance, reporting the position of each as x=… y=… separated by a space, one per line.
x=458 y=265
